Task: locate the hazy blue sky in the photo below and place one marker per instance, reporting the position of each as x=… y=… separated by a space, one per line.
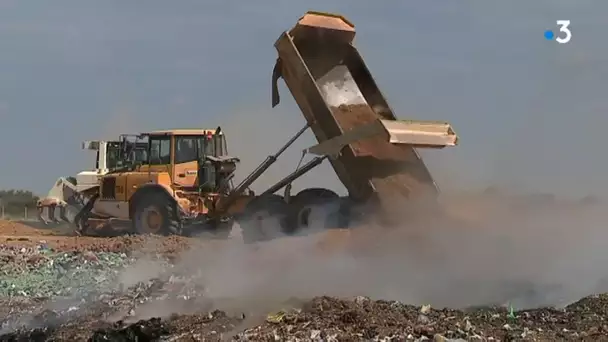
x=530 y=113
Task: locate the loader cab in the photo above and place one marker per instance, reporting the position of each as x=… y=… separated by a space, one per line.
x=122 y=154
x=106 y=154
x=113 y=157
x=194 y=159
x=132 y=151
x=116 y=154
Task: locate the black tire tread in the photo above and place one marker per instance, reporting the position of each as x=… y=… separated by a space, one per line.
x=274 y=203
x=172 y=226
x=307 y=197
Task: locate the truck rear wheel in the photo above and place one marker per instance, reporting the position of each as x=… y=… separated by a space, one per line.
x=263 y=219
x=315 y=207
x=156 y=214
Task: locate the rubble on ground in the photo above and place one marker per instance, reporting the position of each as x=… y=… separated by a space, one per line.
x=42 y=272
x=333 y=319
x=19 y=235
x=70 y=292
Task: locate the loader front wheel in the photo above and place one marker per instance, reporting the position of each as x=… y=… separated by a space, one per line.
x=263 y=219
x=156 y=214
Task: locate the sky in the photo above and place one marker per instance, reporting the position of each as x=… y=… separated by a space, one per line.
x=530 y=113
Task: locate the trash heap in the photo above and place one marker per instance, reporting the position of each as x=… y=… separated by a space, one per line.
x=355 y=319
x=332 y=319
x=48 y=295
x=42 y=273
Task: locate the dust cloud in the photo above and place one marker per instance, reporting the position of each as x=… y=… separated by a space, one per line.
x=480 y=249
x=484 y=249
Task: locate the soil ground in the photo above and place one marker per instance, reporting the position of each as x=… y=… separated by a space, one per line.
x=18 y=234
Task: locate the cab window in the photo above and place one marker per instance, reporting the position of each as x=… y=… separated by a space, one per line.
x=185 y=149
x=139 y=155
x=206 y=144
x=160 y=150
x=112 y=157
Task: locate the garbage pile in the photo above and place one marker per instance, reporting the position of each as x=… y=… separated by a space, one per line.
x=326 y=318
x=105 y=294
x=41 y=272
x=358 y=319
x=332 y=319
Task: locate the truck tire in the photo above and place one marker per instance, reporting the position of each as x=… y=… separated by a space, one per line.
x=315 y=208
x=264 y=218
x=156 y=214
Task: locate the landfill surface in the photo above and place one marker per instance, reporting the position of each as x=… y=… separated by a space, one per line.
x=132 y=288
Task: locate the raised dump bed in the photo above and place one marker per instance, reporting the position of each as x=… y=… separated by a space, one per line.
x=338 y=96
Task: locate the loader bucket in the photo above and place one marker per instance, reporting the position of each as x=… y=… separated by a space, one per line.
x=340 y=99
x=62 y=197
x=57 y=214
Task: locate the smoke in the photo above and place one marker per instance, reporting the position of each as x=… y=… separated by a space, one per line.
x=482 y=249
x=486 y=249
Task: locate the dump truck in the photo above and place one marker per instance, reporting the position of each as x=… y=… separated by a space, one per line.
x=372 y=152
x=69 y=195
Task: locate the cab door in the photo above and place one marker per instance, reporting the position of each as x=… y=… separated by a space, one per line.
x=185 y=164
x=159 y=155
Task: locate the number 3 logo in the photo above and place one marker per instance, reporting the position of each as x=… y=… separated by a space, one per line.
x=563 y=27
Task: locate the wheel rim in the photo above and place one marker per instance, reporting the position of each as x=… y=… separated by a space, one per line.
x=152 y=220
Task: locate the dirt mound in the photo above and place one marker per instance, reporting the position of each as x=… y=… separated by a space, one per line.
x=13 y=228
x=17 y=234
x=204 y=327
x=124 y=244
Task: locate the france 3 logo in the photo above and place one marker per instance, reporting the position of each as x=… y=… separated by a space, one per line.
x=564 y=34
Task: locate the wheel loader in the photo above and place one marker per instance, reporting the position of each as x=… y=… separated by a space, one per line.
x=176 y=188
x=186 y=184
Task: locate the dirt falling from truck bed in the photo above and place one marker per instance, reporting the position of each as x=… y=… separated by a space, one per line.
x=395 y=171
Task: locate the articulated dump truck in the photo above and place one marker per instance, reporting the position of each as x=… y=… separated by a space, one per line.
x=371 y=151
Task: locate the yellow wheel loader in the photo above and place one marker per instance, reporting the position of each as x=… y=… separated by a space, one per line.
x=186 y=183
x=177 y=186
